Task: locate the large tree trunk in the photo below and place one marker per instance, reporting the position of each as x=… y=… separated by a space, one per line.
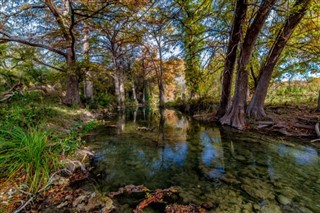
x=235 y=116
x=119 y=87
x=65 y=20
x=72 y=96
x=238 y=19
x=256 y=106
x=88 y=84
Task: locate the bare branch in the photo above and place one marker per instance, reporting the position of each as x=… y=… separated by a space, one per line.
x=21 y=41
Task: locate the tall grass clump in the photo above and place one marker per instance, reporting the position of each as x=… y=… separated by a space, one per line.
x=29 y=154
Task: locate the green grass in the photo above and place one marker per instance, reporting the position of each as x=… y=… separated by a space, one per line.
x=29 y=153
x=36 y=131
x=294 y=93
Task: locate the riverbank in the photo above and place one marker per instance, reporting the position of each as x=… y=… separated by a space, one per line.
x=298 y=121
x=41 y=143
x=289 y=121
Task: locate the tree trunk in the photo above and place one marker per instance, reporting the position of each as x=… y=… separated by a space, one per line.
x=88 y=84
x=122 y=93
x=72 y=96
x=119 y=87
x=239 y=17
x=235 y=116
x=134 y=93
x=144 y=92
x=160 y=77
x=256 y=106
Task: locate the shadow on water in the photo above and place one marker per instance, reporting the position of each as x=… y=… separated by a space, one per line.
x=229 y=171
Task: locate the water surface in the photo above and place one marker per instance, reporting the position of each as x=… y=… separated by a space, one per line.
x=216 y=168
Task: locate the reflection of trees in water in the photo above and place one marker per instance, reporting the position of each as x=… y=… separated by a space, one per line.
x=196 y=157
x=121 y=122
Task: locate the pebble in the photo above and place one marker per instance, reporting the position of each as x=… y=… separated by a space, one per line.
x=283 y=199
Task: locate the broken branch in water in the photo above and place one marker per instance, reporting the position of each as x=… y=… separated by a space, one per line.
x=156 y=197
x=129 y=189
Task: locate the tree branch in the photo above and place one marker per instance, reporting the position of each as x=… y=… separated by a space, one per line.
x=21 y=41
x=48 y=65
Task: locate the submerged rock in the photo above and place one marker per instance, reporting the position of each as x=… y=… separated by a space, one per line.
x=289 y=192
x=258 y=189
x=230 y=179
x=240 y=158
x=283 y=199
x=305 y=210
x=271 y=208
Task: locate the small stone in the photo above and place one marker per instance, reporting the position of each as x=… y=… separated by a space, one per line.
x=108 y=205
x=283 y=199
x=240 y=158
x=78 y=200
x=61 y=205
x=81 y=207
x=68 y=197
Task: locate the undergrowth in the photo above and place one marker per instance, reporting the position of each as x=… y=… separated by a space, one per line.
x=29 y=153
x=30 y=148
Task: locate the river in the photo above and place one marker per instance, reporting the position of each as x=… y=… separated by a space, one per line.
x=210 y=166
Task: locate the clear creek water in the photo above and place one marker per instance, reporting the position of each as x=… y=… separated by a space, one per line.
x=208 y=165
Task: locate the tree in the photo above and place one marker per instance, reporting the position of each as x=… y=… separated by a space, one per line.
x=256 y=107
x=53 y=29
x=235 y=116
x=88 y=83
x=191 y=16
x=231 y=55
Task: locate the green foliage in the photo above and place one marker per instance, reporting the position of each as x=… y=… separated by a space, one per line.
x=24 y=111
x=105 y=100
x=194 y=106
x=294 y=93
x=29 y=153
x=193 y=31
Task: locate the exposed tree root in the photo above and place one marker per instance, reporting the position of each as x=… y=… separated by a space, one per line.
x=234 y=118
x=256 y=112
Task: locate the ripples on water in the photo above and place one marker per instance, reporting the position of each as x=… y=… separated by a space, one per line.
x=230 y=172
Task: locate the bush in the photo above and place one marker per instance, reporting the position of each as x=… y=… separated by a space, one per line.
x=28 y=153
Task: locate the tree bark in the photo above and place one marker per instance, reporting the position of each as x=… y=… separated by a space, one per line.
x=236 y=31
x=256 y=107
x=235 y=117
x=88 y=84
x=72 y=96
x=134 y=93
